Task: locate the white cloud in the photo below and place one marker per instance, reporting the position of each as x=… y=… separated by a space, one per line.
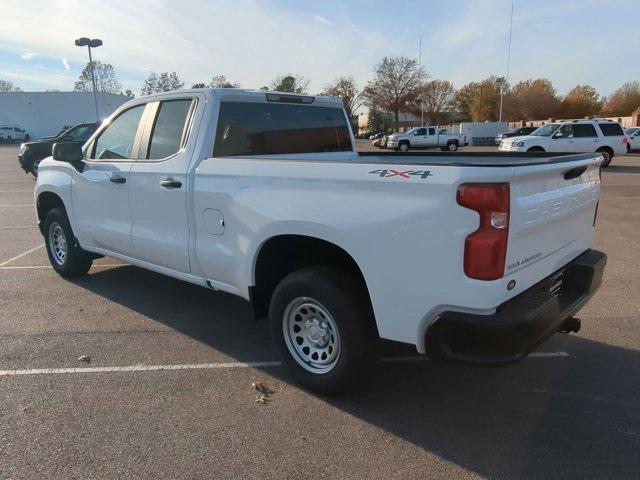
x=28 y=56
x=65 y=63
x=249 y=41
x=321 y=19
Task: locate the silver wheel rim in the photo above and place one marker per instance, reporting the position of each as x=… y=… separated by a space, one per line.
x=311 y=335
x=57 y=243
x=404 y=147
x=605 y=155
x=452 y=147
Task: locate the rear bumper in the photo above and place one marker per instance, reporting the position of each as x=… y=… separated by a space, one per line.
x=520 y=324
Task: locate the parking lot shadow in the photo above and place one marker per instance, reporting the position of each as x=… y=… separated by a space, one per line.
x=564 y=417
x=623 y=169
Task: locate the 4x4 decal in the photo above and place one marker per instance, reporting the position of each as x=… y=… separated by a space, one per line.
x=402 y=174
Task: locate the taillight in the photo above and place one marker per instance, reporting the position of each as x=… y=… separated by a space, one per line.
x=485 y=250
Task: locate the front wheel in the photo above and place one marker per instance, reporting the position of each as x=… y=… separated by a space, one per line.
x=65 y=255
x=322 y=323
x=403 y=147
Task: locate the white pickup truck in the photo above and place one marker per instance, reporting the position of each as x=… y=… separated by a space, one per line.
x=426 y=137
x=473 y=258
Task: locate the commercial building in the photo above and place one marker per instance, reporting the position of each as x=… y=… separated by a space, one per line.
x=46 y=113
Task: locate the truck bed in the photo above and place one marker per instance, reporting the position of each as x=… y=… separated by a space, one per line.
x=473 y=159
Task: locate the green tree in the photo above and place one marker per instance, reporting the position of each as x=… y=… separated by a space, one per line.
x=163 y=82
x=395 y=83
x=199 y=85
x=106 y=80
x=7 y=86
x=289 y=83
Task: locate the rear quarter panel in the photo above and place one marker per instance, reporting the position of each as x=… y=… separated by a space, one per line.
x=405 y=232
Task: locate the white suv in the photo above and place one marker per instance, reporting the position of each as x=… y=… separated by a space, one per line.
x=580 y=136
x=13 y=134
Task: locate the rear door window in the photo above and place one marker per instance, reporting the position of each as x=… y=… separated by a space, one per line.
x=168 y=131
x=611 y=129
x=268 y=128
x=432 y=131
x=584 y=130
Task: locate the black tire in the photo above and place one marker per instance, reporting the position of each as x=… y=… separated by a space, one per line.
x=75 y=261
x=404 y=146
x=452 y=146
x=349 y=310
x=607 y=155
x=536 y=149
x=628 y=148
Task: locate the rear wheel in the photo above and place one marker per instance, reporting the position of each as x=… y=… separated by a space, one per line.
x=607 y=155
x=403 y=146
x=65 y=255
x=452 y=146
x=322 y=323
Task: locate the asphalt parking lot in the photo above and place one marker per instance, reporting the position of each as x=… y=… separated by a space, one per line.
x=167 y=392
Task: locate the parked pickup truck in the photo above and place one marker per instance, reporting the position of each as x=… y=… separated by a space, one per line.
x=426 y=137
x=473 y=258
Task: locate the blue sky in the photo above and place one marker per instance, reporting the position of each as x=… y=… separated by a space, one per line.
x=250 y=41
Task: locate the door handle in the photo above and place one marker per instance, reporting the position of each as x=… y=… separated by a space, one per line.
x=117 y=179
x=170 y=183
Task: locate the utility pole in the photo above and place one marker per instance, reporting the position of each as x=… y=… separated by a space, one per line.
x=506 y=77
x=95 y=43
x=421 y=95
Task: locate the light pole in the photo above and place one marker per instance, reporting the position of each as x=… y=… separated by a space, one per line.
x=501 y=81
x=91 y=43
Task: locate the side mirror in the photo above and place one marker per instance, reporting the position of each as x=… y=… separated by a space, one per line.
x=69 y=152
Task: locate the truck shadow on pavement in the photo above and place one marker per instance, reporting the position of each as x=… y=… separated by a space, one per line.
x=561 y=417
x=623 y=169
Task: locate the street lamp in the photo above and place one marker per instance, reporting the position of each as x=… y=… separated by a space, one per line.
x=91 y=43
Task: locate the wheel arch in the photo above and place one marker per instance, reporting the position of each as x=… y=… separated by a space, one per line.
x=282 y=254
x=45 y=202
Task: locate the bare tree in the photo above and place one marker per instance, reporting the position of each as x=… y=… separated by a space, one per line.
x=162 y=82
x=220 y=81
x=395 y=82
x=7 y=86
x=346 y=89
x=106 y=80
x=436 y=99
x=624 y=100
x=289 y=83
x=581 y=101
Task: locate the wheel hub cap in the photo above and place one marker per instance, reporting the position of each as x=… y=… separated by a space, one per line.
x=58 y=243
x=311 y=335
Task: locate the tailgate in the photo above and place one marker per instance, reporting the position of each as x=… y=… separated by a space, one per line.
x=552 y=206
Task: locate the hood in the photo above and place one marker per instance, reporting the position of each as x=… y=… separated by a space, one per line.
x=521 y=138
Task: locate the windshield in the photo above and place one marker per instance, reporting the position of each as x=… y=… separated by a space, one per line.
x=545 y=130
x=631 y=131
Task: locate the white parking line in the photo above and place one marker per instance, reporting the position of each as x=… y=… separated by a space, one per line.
x=138 y=368
x=19 y=205
x=21 y=255
x=205 y=366
x=18 y=226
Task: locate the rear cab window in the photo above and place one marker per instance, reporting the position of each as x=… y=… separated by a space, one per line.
x=611 y=129
x=168 y=134
x=246 y=128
